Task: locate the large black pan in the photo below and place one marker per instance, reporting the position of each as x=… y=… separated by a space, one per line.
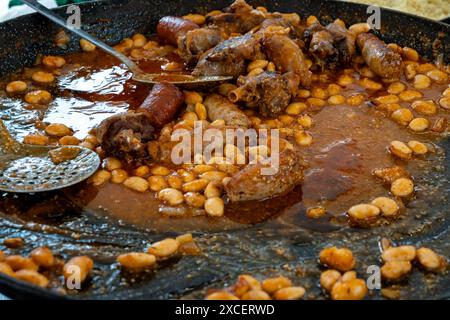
x=70 y=231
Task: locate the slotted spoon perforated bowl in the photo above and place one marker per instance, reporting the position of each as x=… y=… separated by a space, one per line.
x=29 y=169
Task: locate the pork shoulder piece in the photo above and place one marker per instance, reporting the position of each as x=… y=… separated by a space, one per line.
x=125 y=136
x=239 y=17
x=249 y=184
x=344 y=42
x=229 y=57
x=162 y=104
x=270 y=91
x=286 y=55
x=331 y=46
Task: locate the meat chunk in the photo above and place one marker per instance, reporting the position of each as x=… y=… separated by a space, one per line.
x=291 y=21
x=169 y=28
x=239 y=17
x=286 y=55
x=162 y=104
x=381 y=59
x=344 y=42
x=219 y=107
x=270 y=91
x=330 y=46
x=229 y=57
x=322 y=49
x=195 y=42
x=125 y=136
x=249 y=184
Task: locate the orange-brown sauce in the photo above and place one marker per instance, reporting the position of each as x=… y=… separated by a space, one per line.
x=348 y=144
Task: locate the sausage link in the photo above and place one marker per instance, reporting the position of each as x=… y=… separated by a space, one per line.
x=219 y=107
x=379 y=57
x=162 y=104
x=170 y=28
x=251 y=184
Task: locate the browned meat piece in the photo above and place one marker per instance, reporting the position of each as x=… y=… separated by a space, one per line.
x=195 y=42
x=169 y=28
x=125 y=136
x=323 y=50
x=286 y=55
x=330 y=46
x=316 y=28
x=161 y=150
x=162 y=104
x=291 y=19
x=270 y=91
x=389 y=175
x=344 y=42
x=229 y=57
x=219 y=107
x=381 y=59
x=285 y=20
x=239 y=17
x=249 y=184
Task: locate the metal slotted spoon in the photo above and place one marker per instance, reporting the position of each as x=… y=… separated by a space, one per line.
x=29 y=169
x=187 y=81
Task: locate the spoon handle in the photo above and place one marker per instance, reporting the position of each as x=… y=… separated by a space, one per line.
x=56 y=19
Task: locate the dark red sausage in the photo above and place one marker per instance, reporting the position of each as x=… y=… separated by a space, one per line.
x=162 y=104
x=169 y=28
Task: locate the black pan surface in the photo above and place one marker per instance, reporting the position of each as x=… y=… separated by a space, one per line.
x=70 y=231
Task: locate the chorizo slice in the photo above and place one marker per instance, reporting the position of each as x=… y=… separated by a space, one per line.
x=162 y=104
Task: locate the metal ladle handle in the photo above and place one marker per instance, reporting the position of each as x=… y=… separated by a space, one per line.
x=56 y=19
